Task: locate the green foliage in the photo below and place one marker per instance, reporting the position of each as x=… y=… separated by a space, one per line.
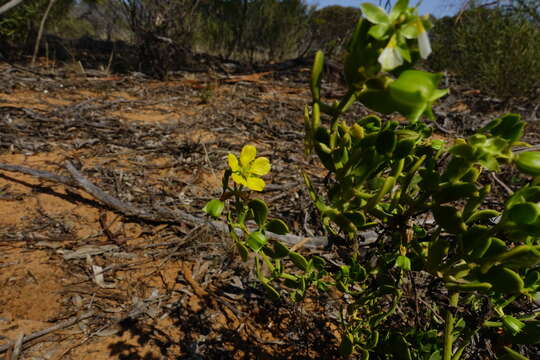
x=389 y=177
x=20 y=23
x=494 y=50
x=19 y=26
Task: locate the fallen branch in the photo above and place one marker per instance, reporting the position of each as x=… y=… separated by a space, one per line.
x=78 y=180
x=45 y=175
x=40 y=333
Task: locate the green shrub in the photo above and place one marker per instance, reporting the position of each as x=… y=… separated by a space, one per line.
x=433 y=290
x=494 y=51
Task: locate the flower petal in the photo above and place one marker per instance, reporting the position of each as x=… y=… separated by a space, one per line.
x=233 y=162
x=255 y=183
x=261 y=166
x=247 y=155
x=239 y=179
x=390 y=58
x=424 y=45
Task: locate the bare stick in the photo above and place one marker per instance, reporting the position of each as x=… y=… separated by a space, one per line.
x=78 y=180
x=40 y=31
x=17 y=346
x=9 y=5
x=41 y=174
x=500 y=182
x=40 y=333
x=104 y=197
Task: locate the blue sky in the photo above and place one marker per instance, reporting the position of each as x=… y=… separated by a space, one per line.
x=434 y=7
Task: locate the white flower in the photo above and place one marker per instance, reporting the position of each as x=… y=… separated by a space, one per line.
x=424 y=44
x=390 y=57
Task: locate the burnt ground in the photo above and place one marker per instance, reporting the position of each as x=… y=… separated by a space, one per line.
x=80 y=279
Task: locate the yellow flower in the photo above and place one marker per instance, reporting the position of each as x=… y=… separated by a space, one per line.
x=246 y=171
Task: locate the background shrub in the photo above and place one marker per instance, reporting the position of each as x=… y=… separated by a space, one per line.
x=493 y=49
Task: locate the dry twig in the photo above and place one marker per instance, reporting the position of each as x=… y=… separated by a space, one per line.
x=40 y=333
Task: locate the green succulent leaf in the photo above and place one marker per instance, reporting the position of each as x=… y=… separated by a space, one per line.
x=260 y=211
x=374 y=14
x=399 y=8
x=256 y=240
x=379 y=31
x=277 y=226
x=471 y=175
x=524 y=213
x=509 y=127
x=504 y=280
x=409 y=30
x=529 y=193
x=497 y=247
x=316 y=75
x=324 y=153
x=479 y=246
x=528 y=162
x=437 y=144
x=403 y=262
x=449 y=218
x=298 y=260
x=280 y=250
x=532 y=280
x=521 y=256
x=456 y=169
x=465 y=151
x=468 y=286
x=481 y=215
x=214 y=208
x=414 y=92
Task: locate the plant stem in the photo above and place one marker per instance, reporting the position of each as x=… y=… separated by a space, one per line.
x=449 y=329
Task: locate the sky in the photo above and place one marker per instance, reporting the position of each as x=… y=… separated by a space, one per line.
x=436 y=8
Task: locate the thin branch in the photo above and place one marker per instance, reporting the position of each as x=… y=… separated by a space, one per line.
x=9 y=5
x=41 y=174
x=507 y=188
x=40 y=333
x=40 y=31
